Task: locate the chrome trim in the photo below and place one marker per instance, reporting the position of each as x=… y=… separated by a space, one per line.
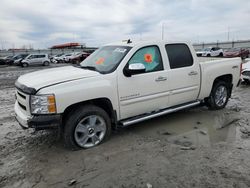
x=167 y=111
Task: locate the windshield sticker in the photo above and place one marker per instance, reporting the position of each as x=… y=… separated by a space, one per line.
x=120 y=50
x=100 y=61
x=148 y=58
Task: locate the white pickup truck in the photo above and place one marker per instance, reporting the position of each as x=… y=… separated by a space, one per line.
x=119 y=85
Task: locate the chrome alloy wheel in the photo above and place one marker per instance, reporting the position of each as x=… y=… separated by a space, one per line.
x=221 y=95
x=90 y=131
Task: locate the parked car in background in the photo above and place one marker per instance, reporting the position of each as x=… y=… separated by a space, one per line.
x=67 y=57
x=59 y=58
x=237 y=52
x=210 y=52
x=78 y=57
x=36 y=59
x=245 y=73
x=4 y=59
x=19 y=58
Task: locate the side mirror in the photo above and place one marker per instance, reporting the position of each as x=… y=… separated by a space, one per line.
x=136 y=68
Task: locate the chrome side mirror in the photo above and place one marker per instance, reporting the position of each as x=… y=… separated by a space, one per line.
x=136 y=68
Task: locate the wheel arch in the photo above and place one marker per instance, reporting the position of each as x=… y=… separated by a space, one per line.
x=103 y=103
x=228 y=78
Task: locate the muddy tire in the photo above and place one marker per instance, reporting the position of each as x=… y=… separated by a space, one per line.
x=86 y=127
x=219 y=96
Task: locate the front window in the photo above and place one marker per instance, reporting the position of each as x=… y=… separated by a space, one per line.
x=106 y=59
x=150 y=57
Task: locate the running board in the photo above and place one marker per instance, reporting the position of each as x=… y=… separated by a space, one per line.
x=138 y=119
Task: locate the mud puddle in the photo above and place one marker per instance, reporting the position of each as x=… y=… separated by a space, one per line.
x=196 y=127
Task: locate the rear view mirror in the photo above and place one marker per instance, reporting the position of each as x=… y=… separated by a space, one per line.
x=136 y=68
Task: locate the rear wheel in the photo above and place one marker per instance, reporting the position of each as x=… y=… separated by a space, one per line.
x=221 y=55
x=208 y=55
x=25 y=64
x=86 y=127
x=219 y=96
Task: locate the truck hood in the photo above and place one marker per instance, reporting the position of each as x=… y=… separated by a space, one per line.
x=43 y=78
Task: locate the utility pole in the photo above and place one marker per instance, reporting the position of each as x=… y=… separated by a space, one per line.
x=162 y=31
x=228 y=33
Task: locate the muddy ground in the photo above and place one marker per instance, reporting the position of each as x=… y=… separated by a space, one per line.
x=190 y=148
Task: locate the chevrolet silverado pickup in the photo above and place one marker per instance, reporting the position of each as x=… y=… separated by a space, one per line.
x=121 y=84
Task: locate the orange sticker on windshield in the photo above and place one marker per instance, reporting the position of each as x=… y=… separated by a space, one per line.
x=148 y=58
x=100 y=61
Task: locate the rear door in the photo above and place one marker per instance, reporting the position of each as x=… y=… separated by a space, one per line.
x=184 y=79
x=40 y=59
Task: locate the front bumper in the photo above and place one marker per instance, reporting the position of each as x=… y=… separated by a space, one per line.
x=38 y=122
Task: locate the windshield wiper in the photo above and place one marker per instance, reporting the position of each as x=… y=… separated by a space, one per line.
x=89 y=68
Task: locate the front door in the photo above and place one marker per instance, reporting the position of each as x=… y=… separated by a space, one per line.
x=144 y=92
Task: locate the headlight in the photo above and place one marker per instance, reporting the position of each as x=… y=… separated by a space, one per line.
x=42 y=104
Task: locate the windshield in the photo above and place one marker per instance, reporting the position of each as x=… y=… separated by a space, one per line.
x=233 y=50
x=106 y=59
x=207 y=49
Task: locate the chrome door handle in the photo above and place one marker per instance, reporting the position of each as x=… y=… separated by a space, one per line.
x=193 y=73
x=161 y=78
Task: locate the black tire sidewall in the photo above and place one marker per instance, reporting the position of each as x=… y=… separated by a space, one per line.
x=75 y=117
x=211 y=100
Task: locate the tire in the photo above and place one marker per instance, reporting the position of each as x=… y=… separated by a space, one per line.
x=246 y=81
x=221 y=55
x=25 y=64
x=46 y=63
x=219 y=96
x=208 y=55
x=80 y=132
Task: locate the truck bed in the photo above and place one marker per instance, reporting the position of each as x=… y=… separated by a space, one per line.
x=212 y=68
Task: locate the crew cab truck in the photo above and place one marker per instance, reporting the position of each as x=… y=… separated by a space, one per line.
x=119 y=85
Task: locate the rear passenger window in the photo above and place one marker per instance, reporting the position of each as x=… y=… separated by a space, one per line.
x=150 y=57
x=179 y=55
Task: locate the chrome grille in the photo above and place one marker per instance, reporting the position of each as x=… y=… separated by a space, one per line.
x=23 y=101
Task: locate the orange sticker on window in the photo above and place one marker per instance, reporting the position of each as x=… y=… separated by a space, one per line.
x=148 y=58
x=100 y=61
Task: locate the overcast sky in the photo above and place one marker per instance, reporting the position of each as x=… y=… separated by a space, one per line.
x=42 y=23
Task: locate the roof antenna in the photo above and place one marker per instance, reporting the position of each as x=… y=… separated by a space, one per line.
x=129 y=41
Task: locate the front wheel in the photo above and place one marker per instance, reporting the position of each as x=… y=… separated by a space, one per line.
x=246 y=81
x=86 y=127
x=46 y=63
x=219 y=96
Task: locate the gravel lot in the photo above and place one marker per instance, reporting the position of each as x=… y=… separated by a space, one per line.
x=190 y=148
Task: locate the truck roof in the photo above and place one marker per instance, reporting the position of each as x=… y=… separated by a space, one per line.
x=146 y=42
